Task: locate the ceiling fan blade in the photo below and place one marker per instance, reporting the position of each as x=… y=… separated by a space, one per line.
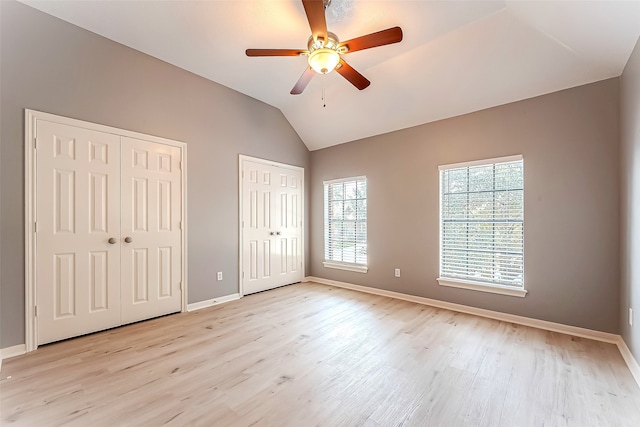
x=380 y=38
x=317 y=20
x=349 y=73
x=275 y=52
x=303 y=81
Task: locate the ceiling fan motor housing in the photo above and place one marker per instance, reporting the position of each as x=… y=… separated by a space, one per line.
x=324 y=56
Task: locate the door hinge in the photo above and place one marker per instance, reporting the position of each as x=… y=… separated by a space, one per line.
x=35 y=227
x=243 y=274
x=180 y=225
x=35 y=143
x=182 y=286
x=35 y=311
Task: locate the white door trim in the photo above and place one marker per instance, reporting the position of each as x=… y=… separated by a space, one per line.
x=31 y=117
x=241 y=159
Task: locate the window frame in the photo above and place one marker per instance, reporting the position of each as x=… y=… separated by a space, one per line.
x=465 y=283
x=343 y=265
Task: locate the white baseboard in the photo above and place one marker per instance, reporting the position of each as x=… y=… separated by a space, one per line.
x=629 y=359
x=505 y=317
x=211 y=302
x=8 y=352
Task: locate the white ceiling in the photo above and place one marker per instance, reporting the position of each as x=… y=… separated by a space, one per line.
x=456 y=57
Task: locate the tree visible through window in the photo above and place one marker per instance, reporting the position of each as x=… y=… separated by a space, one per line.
x=345 y=222
x=482 y=222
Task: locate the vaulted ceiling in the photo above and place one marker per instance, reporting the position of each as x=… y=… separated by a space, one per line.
x=456 y=56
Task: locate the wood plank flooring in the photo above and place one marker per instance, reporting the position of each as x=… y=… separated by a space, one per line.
x=310 y=354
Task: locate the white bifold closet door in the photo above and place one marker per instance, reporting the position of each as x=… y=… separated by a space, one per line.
x=151 y=216
x=77 y=211
x=272 y=212
x=108 y=239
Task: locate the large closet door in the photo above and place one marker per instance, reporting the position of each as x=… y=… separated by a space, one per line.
x=78 y=212
x=151 y=223
x=271 y=226
x=106 y=244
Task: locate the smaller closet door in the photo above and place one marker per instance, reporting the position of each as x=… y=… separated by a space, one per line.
x=150 y=230
x=78 y=212
x=271 y=226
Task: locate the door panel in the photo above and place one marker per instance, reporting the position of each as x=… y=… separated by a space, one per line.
x=290 y=225
x=151 y=218
x=98 y=274
x=257 y=218
x=77 y=270
x=272 y=230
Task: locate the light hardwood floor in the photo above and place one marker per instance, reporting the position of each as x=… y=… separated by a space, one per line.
x=310 y=354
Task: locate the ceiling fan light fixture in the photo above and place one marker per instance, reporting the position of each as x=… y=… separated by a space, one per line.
x=324 y=60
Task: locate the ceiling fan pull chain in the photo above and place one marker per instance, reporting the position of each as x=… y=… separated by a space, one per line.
x=324 y=100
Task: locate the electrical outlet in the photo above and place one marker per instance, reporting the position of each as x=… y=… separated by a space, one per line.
x=630 y=316
x=219 y=275
x=397 y=272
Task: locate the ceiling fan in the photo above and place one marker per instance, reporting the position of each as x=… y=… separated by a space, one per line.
x=325 y=50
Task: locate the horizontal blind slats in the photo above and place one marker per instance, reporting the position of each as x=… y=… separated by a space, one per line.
x=482 y=222
x=345 y=218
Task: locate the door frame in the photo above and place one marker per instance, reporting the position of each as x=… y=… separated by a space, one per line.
x=30 y=288
x=241 y=159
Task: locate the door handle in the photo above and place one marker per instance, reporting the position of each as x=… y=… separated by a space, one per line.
x=112 y=241
x=272 y=233
x=278 y=233
x=128 y=239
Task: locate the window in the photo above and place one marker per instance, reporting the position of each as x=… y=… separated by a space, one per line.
x=345 y=224
x=482 y=225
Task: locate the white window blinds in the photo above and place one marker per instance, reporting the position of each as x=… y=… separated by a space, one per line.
x=345 y=221
x=482 y=221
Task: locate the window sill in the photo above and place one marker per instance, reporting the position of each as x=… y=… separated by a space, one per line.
x=482 y=287
x=347 y=267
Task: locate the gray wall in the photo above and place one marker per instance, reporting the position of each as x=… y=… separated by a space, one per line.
x=630 y=195
x=52 y=66
x=570 y=143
